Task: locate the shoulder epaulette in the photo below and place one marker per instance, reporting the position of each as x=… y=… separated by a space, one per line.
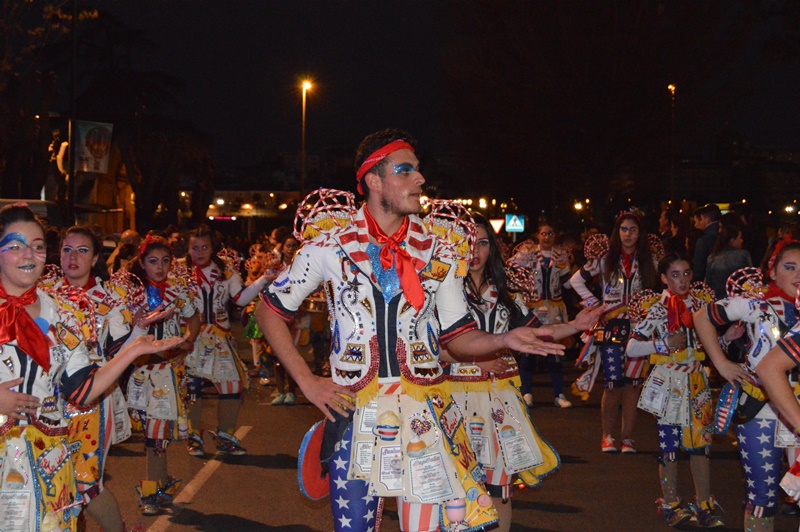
x=521 y=280
x=322 y=212
x=640 y=304
x=451 y=223
x=656 y=246
x=746 y=282
x=123 y=287
x=596 y=246
x=231 y=259
x=702 y=291
x=51 y=276
x=77 y=317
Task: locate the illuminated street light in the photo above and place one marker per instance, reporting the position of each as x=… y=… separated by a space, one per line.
x=789 y=208
x=306 y=87
x=578 y=206
x=220 y=201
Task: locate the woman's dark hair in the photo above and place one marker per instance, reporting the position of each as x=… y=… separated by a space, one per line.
x=726 y=234
x=99 y=269
x=11 y=214
x=204 y=231
x=150 y=244
x=647 y=270
x=494 y=271
x=668 y=260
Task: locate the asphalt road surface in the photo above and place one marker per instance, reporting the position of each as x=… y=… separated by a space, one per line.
x=258 y=492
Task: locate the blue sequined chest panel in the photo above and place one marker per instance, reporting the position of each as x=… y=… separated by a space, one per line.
x=388 y=281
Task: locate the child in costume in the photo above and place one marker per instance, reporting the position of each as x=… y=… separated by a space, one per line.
x=156 y=389
x=676 y=390
x=214 y=356
x=551 y=269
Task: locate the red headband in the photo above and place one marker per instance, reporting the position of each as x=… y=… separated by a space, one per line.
x=376 y=157
x=153 y=240
x=778 y=248
x=630 y=214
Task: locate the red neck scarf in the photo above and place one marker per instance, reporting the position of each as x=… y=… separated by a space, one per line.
x=162 y=286
x=774 y=291
x=17 y=324
x=406 y=264
x=677 y=313
x=627 y=262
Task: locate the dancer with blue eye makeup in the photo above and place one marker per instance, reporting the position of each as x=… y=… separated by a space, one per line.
x=395 y=293
x=768 y=316
x=45 y=347
x=157 y=388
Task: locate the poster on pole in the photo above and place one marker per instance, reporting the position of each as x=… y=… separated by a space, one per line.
x=93 y=142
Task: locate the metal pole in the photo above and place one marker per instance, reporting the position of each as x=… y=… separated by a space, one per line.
x=671 y=89
x=303 y=149
x=73 y=111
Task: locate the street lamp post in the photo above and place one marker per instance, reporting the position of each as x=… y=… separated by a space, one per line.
x=671 y=88
x=306 y=88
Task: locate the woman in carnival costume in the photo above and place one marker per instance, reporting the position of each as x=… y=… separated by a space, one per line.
x=214 y=357
x=95 y=427
x=156 y=389
x=624 y=266
x=551 y=269
x=488 y=393
x=45 y=340
x=676 y=391
x=768 y=313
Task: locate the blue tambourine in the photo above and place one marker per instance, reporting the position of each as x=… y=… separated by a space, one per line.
x=728 y=399
x=312 y=483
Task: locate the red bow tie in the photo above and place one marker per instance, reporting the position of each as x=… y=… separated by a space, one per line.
x=406 y=264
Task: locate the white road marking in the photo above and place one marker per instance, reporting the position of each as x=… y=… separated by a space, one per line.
x=186 y=494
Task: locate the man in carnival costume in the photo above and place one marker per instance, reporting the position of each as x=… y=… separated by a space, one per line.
x=395 y=295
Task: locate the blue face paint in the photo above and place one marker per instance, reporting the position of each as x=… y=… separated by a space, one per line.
x=11 y=237
x=403 y=168
x=16 y=243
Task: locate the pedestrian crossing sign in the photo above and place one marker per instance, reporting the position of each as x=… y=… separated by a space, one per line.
x=515 y=223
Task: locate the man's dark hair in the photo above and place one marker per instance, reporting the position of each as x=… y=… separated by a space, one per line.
x=709 y=209
x=374 y=142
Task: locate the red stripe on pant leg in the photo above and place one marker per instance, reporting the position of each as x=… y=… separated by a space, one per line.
x=405 y=514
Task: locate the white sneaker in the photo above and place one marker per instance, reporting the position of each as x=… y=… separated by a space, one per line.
x=528 y=399
x=562 y=402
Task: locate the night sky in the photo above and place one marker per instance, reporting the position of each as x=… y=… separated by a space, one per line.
x=417 y=66
x=373 y=66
